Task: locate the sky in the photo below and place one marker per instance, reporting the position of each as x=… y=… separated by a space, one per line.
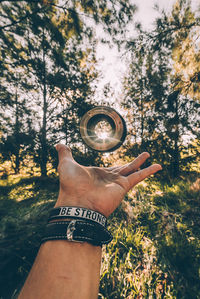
x=146 y=14
x=110 y=62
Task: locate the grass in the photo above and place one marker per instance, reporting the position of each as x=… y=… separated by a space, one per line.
x=156 y=248
x=155 y=252
x=24 y=210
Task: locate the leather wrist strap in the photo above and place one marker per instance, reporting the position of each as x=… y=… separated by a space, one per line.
x=77 y=231
x=78 y=213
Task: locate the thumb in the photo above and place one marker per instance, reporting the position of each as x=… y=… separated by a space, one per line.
x=63 y=152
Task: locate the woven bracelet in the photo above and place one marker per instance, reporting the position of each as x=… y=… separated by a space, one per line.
x=78 y=213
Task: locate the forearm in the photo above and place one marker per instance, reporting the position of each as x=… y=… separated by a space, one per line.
x=64 y=270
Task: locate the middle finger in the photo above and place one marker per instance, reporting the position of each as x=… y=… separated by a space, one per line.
x=134 y=165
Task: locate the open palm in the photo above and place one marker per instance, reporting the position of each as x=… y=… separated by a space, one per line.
x=99 y=189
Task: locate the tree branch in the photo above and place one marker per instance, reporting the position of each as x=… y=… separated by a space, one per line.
x=172 y=29
x=21 y=19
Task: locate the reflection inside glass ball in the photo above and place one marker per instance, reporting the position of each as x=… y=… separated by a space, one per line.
x=103 y=130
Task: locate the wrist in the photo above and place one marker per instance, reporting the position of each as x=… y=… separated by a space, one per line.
x=84 y=246
x=71 y=200
x=79 y=225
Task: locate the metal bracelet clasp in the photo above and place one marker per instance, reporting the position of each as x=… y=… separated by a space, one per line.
x=70 y=230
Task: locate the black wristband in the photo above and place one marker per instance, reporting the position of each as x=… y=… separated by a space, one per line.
x=77 y=231
x=78 y=213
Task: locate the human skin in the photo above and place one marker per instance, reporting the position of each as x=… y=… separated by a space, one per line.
x=70 y=270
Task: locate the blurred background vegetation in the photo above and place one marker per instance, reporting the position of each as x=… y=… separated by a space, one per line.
x=49 y=78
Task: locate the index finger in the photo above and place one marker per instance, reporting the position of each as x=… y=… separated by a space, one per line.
x=63 y=152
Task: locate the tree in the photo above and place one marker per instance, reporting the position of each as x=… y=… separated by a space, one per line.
x=180 y=31
x=165 y=115
x=47 y=61
x=16 y=128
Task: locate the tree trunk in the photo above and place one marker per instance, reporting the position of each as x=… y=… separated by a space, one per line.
x=176 y=156
x=17 y=141
x=44 y=158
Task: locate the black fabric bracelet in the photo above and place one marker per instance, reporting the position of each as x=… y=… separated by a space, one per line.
x=78 y=213
x=77 y=231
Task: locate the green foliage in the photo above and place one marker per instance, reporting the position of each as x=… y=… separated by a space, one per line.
x=41 y=51
x=155 y=252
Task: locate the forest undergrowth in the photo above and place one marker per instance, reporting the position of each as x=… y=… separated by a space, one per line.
x=155 y=252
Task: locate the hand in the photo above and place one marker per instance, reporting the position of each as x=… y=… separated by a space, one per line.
x=99 y=189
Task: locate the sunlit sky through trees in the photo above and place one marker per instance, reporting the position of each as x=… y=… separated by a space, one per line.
x=111 y=62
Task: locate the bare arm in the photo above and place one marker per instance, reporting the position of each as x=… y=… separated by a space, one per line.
x=71 y=270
